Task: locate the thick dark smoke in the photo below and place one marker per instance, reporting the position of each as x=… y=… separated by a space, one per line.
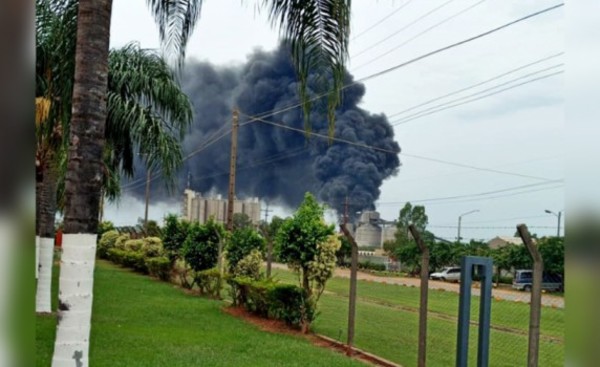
x=276 y=164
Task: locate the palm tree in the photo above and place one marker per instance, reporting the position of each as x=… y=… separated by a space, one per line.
x=318 y=31
x=147 y=111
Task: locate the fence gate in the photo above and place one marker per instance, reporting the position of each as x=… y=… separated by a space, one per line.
x=482 y=266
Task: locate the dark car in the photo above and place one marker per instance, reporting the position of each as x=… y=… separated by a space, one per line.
x=524 y=278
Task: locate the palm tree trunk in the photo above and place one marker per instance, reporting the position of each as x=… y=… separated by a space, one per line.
x=46 y=207
x=83 y=182
x=38 y=193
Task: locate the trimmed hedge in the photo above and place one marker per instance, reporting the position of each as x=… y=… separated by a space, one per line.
x=209 y=282
x=266 y=298
x=159 y=267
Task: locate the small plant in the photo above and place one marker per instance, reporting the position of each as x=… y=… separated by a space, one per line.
x=159 y=267
x=107 y=241
x=249 y=266
x=184 y=273
x=209 y=282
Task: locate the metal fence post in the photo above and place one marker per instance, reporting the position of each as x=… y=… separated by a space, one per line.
x=536 y=297
x=422 y=351
x=352 y=295
x=484 y=266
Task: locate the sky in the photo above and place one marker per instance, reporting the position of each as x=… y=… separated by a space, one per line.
x=519 y=132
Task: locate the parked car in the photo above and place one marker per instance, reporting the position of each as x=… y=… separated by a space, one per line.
x=523 y=281
x=451 y=274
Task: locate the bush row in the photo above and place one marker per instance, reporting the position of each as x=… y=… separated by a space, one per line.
x=366 y=265
x=145 y=255
x=266 y=298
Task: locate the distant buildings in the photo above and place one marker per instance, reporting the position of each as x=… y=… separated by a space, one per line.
x=372 y=231
x=501 y=241
x=199 y=209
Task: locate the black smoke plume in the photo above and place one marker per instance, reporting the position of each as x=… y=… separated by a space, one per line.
x=275 y=164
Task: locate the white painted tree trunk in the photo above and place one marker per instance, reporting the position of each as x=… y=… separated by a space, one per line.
x=8 y=285
x=37 y=255
x=76 y=283
x=43 y=294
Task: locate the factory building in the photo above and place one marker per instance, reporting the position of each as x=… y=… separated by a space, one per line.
x=368 y=231
x=199 y=209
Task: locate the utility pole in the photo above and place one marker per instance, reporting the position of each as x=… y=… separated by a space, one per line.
x=189 y=180
x=232 y=165
x=148 y=176
x=460 y=222
x=346 y=211
x=267 y=211
x=559 y=216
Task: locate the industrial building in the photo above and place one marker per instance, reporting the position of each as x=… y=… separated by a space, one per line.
x=372 y=231
x=199 y=209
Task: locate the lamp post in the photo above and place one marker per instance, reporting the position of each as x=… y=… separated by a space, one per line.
x=460 y=221
x=559 y=215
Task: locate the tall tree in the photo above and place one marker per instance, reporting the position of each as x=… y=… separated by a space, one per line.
x=83 y=183
x=404 y=248
x=147 y=112
x=318 y=32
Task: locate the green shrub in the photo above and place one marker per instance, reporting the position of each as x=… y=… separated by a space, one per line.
x=116 y=255
x=290 y=304
x=249 y=266
x=241 y=244
x=367 y=265
x=134 y=245
x=121 y=240
x=104 y=227
x=209 y=282
x=266 y=298
x=152 y=247
x=107 y=241
x=159 y=267
x=173 y=236
x=201 y=247
x=184 y=273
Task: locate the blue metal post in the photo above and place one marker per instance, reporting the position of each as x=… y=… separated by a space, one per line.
x=484 y=266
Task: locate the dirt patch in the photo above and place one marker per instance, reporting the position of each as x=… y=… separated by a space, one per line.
x=280 y=327
x=274 y=326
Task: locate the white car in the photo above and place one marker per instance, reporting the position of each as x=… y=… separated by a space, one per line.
x=448 y=274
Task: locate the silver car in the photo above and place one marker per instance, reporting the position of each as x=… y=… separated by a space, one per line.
x=451 y=274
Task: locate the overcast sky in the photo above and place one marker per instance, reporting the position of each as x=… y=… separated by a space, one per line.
x=519 y=131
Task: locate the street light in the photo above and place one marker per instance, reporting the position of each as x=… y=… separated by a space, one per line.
x=460 y=220
x=559 y=215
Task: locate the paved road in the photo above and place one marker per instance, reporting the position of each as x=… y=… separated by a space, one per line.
x=501 y=293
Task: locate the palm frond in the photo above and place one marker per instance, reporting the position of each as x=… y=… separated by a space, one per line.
x=143 y=75
x=318 y=32
x=176 y=20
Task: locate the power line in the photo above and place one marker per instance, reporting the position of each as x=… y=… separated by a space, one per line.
x=509 y=219
x=366 y=146
x=468 y=171
x=478 y=194
x=411 y=61
x=141 y=181
x=456 y=44
x=435 y=200
x=381 y=20
x=483 y=169
x=427 y=30
x=273 y=158
x=403 y=28
x=477 y=84
x=443 y=106
x=487 y=227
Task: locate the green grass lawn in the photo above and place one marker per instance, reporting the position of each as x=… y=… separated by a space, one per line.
x=387 y=324
x=138 y=321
